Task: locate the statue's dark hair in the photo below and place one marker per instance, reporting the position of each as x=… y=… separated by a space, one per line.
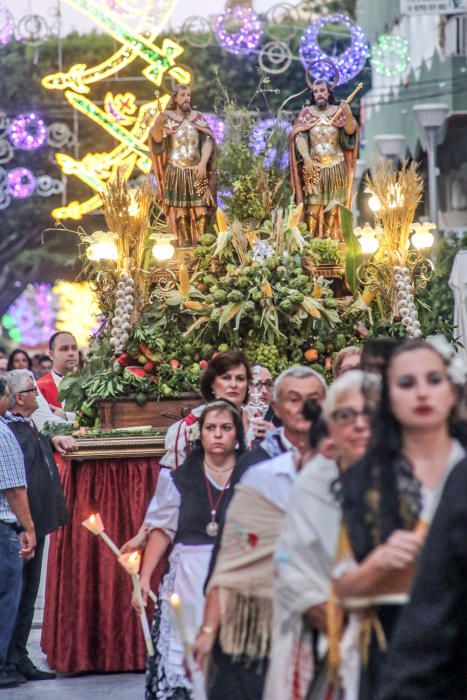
x=321 y=81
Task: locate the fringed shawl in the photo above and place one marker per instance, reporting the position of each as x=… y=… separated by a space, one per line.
x=244 y=573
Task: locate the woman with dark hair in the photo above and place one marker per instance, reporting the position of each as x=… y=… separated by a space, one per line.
x=19 y=359
x=390 y=496
x=227 y=376
x=186 y=512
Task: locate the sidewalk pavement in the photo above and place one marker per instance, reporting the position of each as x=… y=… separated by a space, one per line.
x=116 y=686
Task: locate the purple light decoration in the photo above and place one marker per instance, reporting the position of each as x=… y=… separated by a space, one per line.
x=32 y=315
x=21 y=183
x=259 y=142
x=349 y=63
x=246 y=39
x=7 y=25
x=217 y=127
x=28 y=132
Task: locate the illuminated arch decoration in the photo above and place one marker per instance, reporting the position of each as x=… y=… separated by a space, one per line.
x=27 y=132
x=43 y=309
x=390 y=55
x=246 y=36
x=77 y=310
x=21 y=183
x=7 y=25
x=350 y=62
x=127 y=123
x=30 y=320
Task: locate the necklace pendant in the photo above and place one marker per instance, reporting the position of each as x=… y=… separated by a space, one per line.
x=212 y=529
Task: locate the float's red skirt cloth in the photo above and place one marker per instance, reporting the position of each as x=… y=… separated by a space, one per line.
x=89 y=624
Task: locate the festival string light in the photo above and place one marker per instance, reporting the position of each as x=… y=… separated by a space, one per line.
x=77 y=310
x=21 y=183
x=30 y=320
x=246 y=37
x=390 y=55
x=28 y=132
x=7 y=25
x=349 y=63
x=121 y=117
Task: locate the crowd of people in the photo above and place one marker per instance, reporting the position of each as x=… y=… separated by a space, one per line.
x=296 y=553
x=315 y=534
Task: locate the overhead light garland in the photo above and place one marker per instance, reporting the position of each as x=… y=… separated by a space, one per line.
x=121 y=117
x=28 y=132
x=390 y=55
x=238 y=30
x=21 y=183
x=350 y=62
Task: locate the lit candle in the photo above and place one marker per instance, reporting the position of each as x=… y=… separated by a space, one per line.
x=197 y=680
x=131 y=563
x=95 y=525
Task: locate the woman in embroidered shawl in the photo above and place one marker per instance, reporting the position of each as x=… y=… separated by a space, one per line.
x=186 y=512
x=307 y=545
x=390 y=496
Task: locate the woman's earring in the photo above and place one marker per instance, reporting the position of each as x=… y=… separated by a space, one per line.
x=237 y=445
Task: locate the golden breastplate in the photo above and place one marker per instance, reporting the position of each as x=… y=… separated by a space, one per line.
x=324 y=142
x=184 y=146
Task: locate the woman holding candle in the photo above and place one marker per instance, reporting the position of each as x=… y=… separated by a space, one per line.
x=227 y=376
x=390 y=496
x=186 y=510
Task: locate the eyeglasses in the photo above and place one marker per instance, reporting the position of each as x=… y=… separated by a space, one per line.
x=259 y=385
x=27 y=391
x=347 y=416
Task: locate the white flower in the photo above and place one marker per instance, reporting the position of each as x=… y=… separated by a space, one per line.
x=261 y=251
x=193 y=433
x=457 y=371
x=442 y=346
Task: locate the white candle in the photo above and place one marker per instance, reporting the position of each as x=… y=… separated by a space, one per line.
x=197 y=680
x=131 y=563
x=95 y=525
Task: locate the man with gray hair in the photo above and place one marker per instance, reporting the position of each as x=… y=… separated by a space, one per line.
x=47 y=504
x=17 y=535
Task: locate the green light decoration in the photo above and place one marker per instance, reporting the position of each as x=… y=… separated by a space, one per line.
x=390 y=55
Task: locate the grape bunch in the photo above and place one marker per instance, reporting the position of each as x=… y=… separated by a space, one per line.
x=271 y=357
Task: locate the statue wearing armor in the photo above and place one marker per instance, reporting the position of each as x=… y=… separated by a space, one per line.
x=183 y=155
x=323 y=150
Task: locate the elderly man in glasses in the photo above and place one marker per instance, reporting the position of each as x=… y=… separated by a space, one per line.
x=46 y=502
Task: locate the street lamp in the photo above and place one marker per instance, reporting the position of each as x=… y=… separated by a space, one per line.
x=390 y=146
x=431 y=118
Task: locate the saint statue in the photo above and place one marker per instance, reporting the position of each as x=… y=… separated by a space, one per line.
x=183 y=150
x=323 y=152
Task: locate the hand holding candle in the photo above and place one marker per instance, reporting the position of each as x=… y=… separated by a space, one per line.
x=95 y=525
x=196 y=676
x=131 y=563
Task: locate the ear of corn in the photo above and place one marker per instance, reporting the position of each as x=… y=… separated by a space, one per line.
x=294 y=218
x=310 y=307
x=367 y=296
x=266 y=289
x=184 y=280
x=194 y=305
x=222 y=222
x=317 y=291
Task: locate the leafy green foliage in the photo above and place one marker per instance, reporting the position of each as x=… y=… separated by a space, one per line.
x=435 y=302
